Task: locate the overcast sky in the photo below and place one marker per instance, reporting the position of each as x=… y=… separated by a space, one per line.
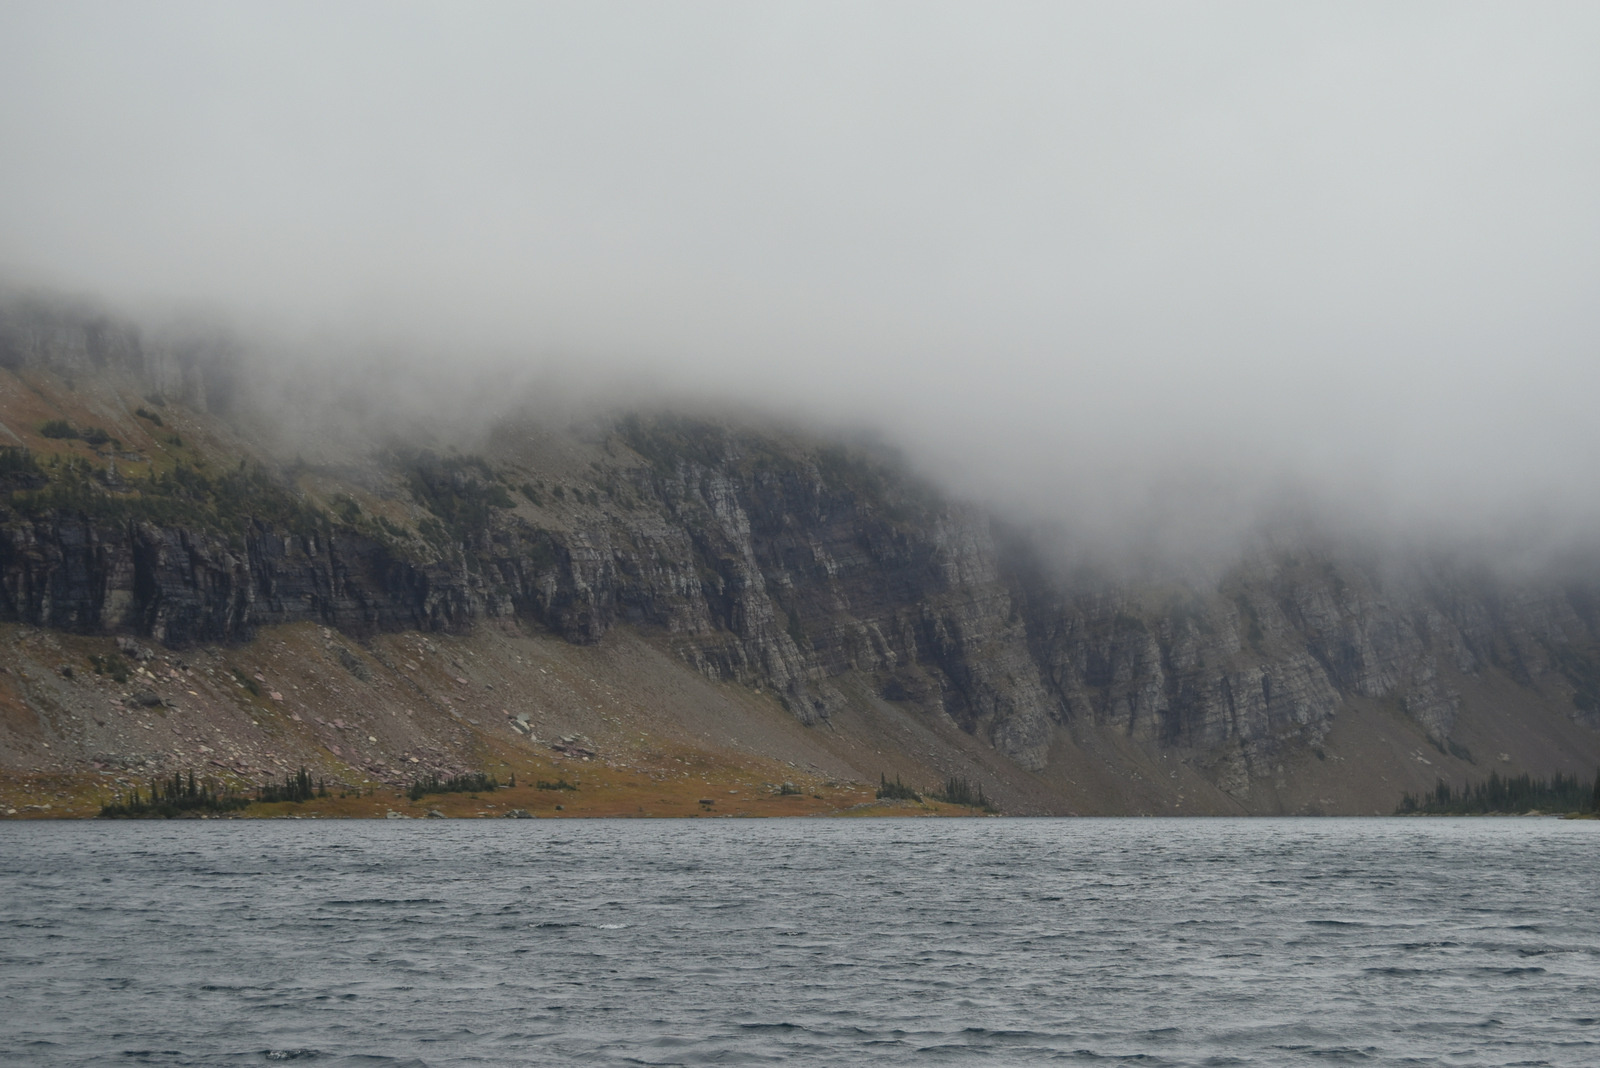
x=1100 y=254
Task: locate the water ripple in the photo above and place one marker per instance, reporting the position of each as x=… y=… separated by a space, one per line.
x=1008 y=942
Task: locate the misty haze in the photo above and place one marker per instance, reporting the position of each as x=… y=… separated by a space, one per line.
x=1071 y=257
x=607 y=411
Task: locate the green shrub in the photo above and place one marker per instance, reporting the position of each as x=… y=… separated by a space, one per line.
x=895 y=791
x=112 y=665
x=247 y=682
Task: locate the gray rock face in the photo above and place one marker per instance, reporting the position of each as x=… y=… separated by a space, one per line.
x=182 y=586
x=76 y=339
x=787 y=567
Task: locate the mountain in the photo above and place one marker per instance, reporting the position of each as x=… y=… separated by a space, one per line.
x=667 y=600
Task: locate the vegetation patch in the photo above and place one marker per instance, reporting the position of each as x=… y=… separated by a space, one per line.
x=247 y=682
x=463 y=492
x=895 y=791
x=958 y=791
x=175 y=798
x=184 y=496
x=112 y=665
x=62 y=430
x=19 y=470
x=353 y=664
x=297 y=788
x=1506 y=796
x=470 y=783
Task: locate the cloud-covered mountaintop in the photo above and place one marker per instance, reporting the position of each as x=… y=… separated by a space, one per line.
x=1129 y=266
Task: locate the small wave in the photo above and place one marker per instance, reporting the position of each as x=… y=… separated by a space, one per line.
x=1343 y=1053
x=1391 y=970
x=146 y=1054
x=385 y=901
x=1119 y=1058
x=290 y=1054
x=1022 y=1037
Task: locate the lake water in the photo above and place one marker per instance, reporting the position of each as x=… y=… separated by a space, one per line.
x=804 y=942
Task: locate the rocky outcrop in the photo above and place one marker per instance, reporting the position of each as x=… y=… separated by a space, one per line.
x=790 y=566
x=182 y=587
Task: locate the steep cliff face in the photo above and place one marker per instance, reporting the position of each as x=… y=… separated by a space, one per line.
x=1264 y=663
x=76 y=340
x=810 y=570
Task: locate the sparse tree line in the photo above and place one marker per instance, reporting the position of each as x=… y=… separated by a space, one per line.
x=475 y=782
x=175 y=797
x=955 y=791
x=1506 y=794
x=184 y=795
x=296 y=789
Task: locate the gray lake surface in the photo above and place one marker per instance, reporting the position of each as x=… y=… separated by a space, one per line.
x=803 y=942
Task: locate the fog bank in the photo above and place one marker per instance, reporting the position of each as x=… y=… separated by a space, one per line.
x=1129 y=269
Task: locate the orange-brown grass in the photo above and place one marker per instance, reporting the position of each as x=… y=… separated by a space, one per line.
x=746 y=790
x=35 y=796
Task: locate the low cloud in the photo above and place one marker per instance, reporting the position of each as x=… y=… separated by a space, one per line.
x=1132 y=271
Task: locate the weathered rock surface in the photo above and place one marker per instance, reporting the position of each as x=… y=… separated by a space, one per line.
x=795 y=567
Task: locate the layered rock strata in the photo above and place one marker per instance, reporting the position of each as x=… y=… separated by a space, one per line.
x=789 y=566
